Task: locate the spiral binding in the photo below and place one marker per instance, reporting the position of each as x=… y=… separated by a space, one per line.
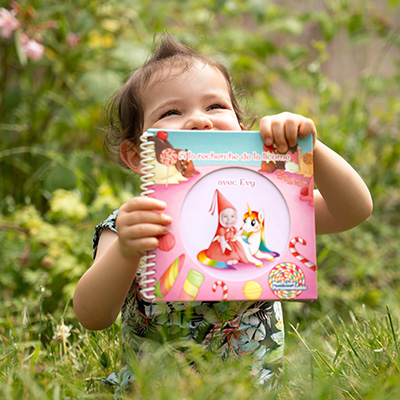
x=146 y=270
x=147 y=155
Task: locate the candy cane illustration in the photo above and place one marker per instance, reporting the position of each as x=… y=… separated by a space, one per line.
x=296 y=254
x=224 y=289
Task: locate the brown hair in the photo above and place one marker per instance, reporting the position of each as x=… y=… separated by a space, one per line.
x=125 y=109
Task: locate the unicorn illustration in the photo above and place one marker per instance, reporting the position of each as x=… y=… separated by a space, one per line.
x=251 y=237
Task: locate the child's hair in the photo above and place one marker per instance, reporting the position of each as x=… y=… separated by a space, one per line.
x=125 y=109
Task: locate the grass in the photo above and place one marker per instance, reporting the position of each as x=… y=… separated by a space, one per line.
x=355 y=356
x=353 y=359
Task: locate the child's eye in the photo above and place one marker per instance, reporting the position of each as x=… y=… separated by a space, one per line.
x=169 y=113
x=215 y=106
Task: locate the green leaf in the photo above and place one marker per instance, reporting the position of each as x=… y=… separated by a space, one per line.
x=18 y=47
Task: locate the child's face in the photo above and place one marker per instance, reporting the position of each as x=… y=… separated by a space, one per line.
x=228 y=217
x=195 y=99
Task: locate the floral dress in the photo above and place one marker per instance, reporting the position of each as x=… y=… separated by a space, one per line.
x=253 y=328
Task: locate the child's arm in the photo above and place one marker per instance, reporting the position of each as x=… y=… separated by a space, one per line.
x=102 y=290
x=342 y=199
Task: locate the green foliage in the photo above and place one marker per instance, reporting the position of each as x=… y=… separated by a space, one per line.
x=331 y=358
x=56 y=185
x=344 y=359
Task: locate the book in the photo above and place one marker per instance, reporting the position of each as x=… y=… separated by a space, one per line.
x=243 y=218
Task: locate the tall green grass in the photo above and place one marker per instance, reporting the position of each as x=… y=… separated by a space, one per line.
x=355 y=357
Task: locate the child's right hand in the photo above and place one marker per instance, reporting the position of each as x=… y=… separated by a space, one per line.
x=139 y=222
x=284 y=128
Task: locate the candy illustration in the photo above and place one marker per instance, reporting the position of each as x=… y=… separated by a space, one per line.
x=168 y=157
x=162 y=135
x=307 y=193
x=296 y=254
x=308 y=161
x=191 y=285
x=304 y=191
x=252 y=290
x=287 y=281
x=224 y=289
x=166 y=242
x=167 y=280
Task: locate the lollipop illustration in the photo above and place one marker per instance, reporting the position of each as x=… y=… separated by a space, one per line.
x=287 y=281
x=308 y=161
x=168 y=157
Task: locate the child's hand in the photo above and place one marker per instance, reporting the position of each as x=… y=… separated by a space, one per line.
x=283 y=129
x=139 y=224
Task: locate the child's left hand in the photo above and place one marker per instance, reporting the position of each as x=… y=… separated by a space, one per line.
x=283 y=129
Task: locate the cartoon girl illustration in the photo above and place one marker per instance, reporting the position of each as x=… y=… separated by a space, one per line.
x=224 y=246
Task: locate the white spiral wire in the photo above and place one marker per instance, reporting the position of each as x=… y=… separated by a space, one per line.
x=147 y=155
x=146 y=270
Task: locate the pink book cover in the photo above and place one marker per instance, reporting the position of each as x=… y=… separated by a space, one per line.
x=243 y=218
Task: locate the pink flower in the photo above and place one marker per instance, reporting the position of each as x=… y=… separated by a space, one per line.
x=8 y=22
x=32 y=48
x=73 y=39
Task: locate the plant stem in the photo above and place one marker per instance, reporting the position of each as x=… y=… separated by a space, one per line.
x=3 y=81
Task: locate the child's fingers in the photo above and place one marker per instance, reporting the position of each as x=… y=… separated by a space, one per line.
x=291 y=132
x=140 y=217
x=137 y=246
x=306 y=127
x=278 y=132
x=283 y=129
x=142 y=231
x=143 y=203
x=135 y=239
x=141 y=210
x=279 y=129
x=139 y=222
x=266 y=131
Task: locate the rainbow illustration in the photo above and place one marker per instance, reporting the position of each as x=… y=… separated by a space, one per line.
x=202 y=257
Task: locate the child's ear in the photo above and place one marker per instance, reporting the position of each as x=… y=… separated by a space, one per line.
x=130 y=156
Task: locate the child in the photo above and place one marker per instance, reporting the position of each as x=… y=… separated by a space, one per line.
x=224 y=246
x=180 y=89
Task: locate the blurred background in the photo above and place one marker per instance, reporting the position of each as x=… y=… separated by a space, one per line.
x=335 y=61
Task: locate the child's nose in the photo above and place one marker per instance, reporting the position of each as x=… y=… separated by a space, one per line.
x=199 y=121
